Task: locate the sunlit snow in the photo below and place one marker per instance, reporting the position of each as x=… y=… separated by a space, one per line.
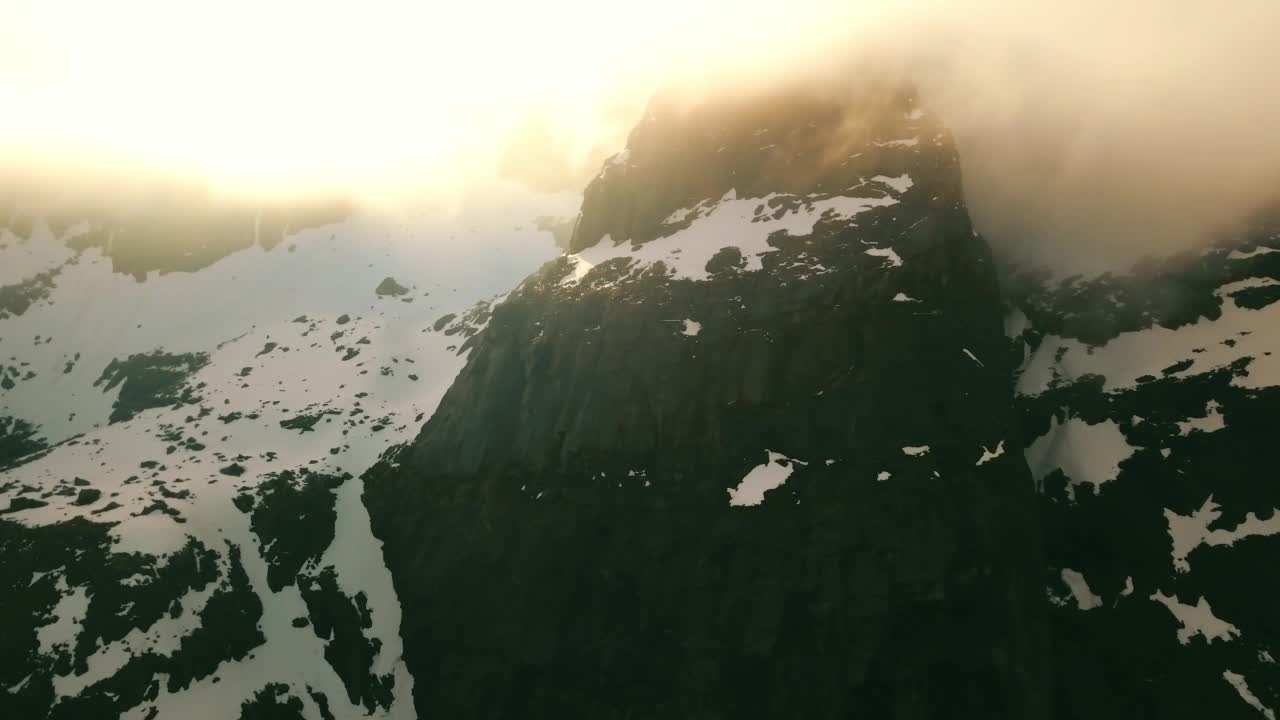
x=761 y=479
x=1086 y=453
x=744 y=223
x=1197 y=619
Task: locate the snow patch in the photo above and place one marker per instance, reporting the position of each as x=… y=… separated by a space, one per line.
x=69 y=612
x=1085 y=599
x=1211 y=421
x=1197 y=619
x=762 y=478
x=318 y=272
x=1260 y=250
x=1237 y=681
x=1210 y=344
x=745 y=223
x=904 y=142
x=1128 y=586
x=682 y=214
x=1189 y=532
x=989 y=455
x=900 y=184
x=888 y=254
x=1086 y=453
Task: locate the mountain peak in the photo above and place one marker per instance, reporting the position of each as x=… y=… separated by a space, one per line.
x=781 y=142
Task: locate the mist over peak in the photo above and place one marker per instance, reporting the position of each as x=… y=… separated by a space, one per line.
x=1092 y=134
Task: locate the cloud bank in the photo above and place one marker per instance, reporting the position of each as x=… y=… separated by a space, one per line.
x=1092 y=133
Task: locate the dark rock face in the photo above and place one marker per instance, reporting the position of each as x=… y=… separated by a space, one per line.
x=561 y=535
x=389 y=286
x=272 y=702
x=340 y=619
x=306 y=422
x=88 y=496
x=79 y=554
x=18 y=504
x=11 y=375
x=151 y=380
x=293 y=516
x=15 y=299
x=18 y=438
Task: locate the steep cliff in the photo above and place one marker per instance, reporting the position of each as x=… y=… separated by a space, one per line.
x=748 y=452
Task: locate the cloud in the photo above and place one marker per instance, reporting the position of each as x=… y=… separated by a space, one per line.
x=1093 y=134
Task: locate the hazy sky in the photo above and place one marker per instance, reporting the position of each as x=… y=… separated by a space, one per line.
x=1112 y=126
x=345 y=92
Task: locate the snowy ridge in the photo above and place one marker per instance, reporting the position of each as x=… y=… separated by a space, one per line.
x=1208 y=344
x=744 y=223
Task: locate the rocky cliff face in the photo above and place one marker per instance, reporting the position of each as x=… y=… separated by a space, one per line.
x=750 y=451
x=1149 y=402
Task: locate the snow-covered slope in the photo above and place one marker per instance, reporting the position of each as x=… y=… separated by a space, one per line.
x=206 y=430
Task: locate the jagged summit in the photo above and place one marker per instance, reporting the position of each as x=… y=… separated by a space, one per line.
x=746 y=462
x=757 y=145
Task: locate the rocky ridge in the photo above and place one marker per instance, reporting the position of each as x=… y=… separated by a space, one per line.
x=738 y=455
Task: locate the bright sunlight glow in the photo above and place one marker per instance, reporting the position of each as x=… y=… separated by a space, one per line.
x=260 y=95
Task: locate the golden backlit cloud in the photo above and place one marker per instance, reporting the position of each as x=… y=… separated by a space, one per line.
x=342 y=95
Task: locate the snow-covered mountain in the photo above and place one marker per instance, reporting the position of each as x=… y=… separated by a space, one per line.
x=738 y=453
x=772 y=433
x=189 y=535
